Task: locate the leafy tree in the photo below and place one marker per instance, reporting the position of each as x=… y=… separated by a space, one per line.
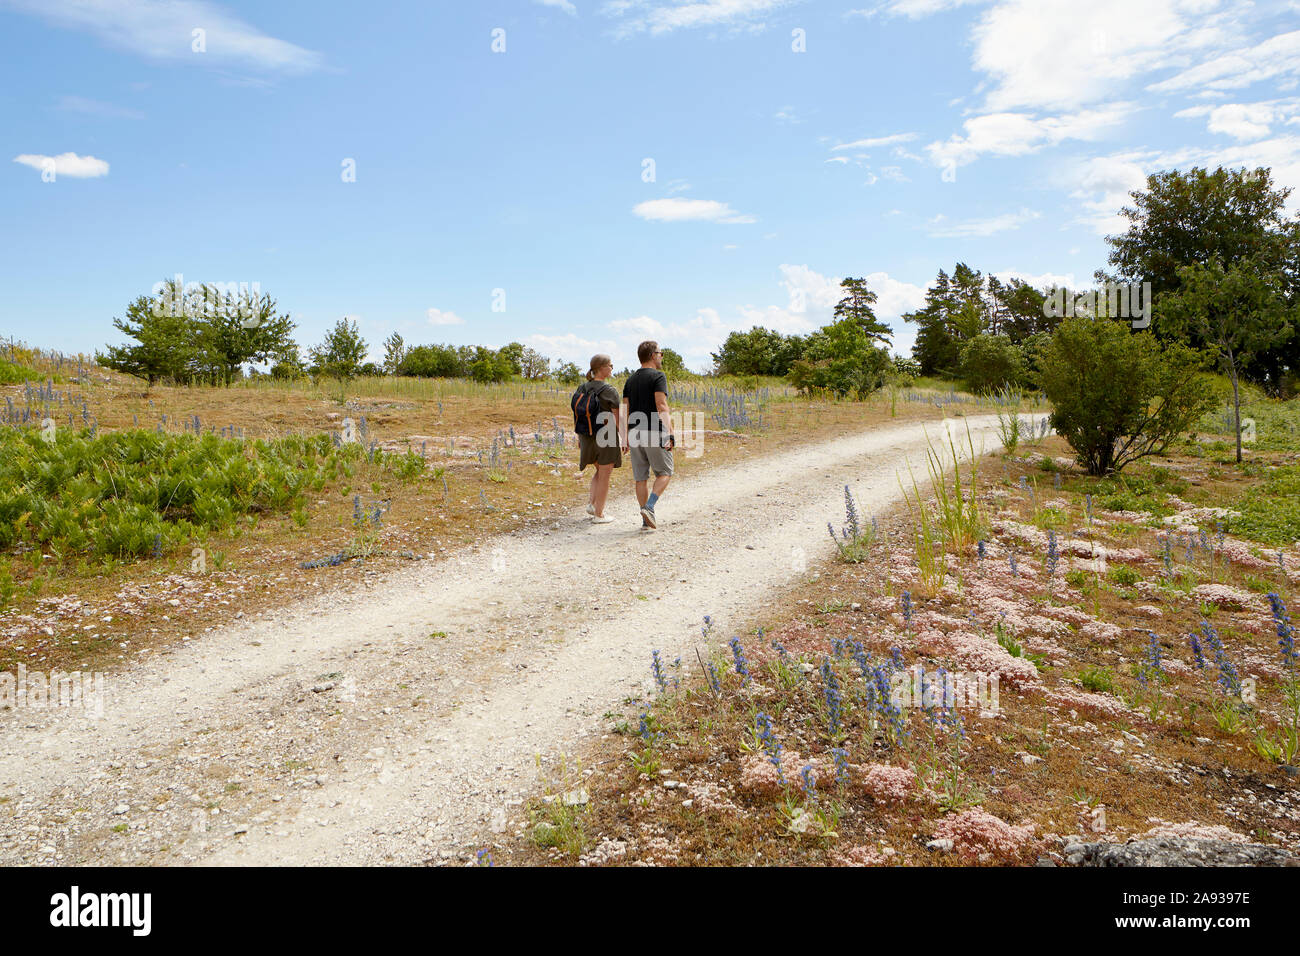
x=1118 y=396
x=237 y=328
x=841 y=358
x=166 y=349
x=534 y=365
x=674 y=364
x=490 y=366
x=1197 y=216
x=203 y=332
x=1240 y=311
x=990 y=362
x=569 y=374
x=514 y=355
x=342 y=352
x=433 y=361
x=856 y=305
x=394 y=352
x=758 y=351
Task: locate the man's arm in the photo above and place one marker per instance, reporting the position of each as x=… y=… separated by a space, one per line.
x=665 y=416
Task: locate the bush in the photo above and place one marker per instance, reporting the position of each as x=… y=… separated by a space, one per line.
x=1119 y=396
x=991 y=362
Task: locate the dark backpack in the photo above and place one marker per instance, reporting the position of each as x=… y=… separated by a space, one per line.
x=587 y=408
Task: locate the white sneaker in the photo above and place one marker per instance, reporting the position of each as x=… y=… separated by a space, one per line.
x=591 y=509
x=601 y=519
x=648 y=517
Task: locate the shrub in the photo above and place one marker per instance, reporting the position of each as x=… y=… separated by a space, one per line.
x=1120 y=396
x=991 y=362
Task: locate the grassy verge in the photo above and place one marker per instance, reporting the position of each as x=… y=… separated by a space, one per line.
x=1141 y=689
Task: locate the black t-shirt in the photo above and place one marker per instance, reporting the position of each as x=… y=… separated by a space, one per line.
x=639 y=390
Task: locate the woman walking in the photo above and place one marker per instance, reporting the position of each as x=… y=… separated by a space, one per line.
x=596 y=421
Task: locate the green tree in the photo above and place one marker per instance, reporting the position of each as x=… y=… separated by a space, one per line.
x=1118 y=396
x=238 y=327
x=342 y=352
x=533 y=365
x=394 y=352
x=856 y=305
x=841 y=358
x=991 y=362
x=955 y=311
x=568 y=373
x=674 y=364
x=758 y=351
x=166 y=345
x=514 y=355
x=1196 y=216
x=1240 y=311
x=490 y=366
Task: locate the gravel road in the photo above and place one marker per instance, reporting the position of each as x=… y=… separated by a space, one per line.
x=398 y=721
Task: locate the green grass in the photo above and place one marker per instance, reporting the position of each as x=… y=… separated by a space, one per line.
x=13 y=374
x=131 y=493
x=1271 y=514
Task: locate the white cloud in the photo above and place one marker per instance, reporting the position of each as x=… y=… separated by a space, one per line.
x=658 y=18
x=564 y=5
x=914 y=9
x=1275 y=57
x=688 y=210
x=1102 y=185
x=66 y=164
x=1062 y=54
x=438 y=317
x=872 y=142
x=1017 y=134
x=979 y=228
x=1245 y=121
x=163 y=30
x=1040 y=280
x=573 y=348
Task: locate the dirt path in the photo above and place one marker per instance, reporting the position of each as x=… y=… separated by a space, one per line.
x=399 y=722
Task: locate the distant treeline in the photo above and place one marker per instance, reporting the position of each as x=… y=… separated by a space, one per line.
x=1209 y=260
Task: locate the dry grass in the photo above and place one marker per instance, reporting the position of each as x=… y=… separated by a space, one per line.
x=63 y=615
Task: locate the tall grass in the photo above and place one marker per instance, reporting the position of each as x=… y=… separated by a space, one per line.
x=958 y=506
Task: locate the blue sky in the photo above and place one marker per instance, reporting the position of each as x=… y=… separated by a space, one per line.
x=504 y=196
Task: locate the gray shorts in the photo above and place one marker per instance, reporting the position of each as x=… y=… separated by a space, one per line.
x=644 y=459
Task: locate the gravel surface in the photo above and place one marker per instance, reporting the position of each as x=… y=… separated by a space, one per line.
x=398 y=720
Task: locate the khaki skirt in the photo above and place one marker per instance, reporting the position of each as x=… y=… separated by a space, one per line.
x=591 y=452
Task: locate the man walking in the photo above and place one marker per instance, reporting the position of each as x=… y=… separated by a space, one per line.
x=648 y=429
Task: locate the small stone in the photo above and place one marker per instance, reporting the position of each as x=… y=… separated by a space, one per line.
x=943 y=845
x=120 y=809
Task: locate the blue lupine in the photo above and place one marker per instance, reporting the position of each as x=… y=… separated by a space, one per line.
x=1053 y=554
x=981 y=549
x=1011 y=562
x=657 y=669
x=807 y=782
x=831 y=694
x=851 y=513
x=738 y=654
x=1285 y=632
x=771 y=746
x=907 y=608
x=714 y=683
x=1198 y=658
x=1152 y=661
x=841 y=758
x=1228 y=678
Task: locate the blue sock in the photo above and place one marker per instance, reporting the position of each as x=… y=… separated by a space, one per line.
x=650 y=502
